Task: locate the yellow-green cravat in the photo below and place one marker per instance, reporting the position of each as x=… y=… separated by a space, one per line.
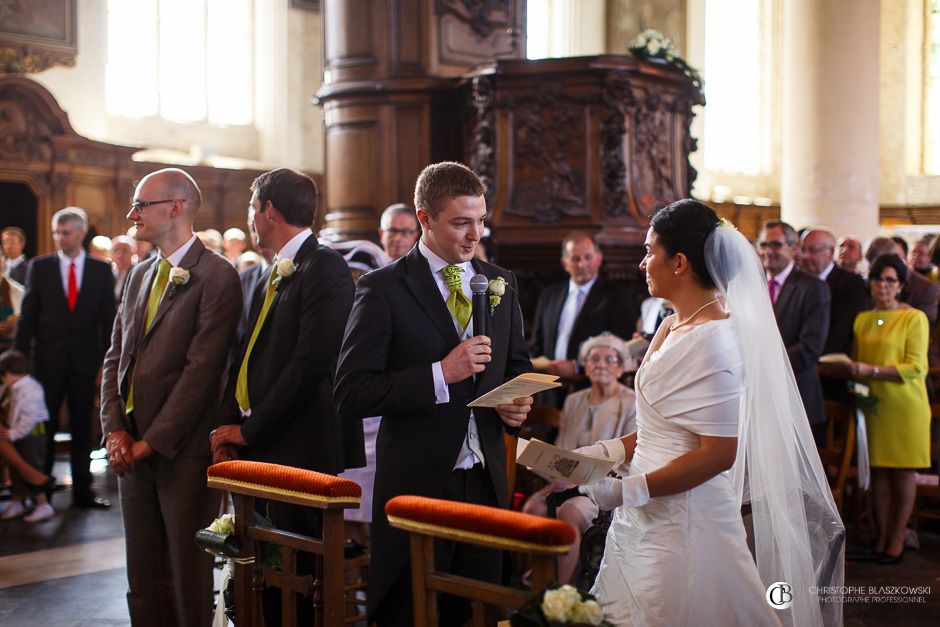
x=457 y=302
x=241 y=385
x=156 y=295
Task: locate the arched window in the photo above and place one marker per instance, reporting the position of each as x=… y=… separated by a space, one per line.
x=182 y=60
x=932 y=89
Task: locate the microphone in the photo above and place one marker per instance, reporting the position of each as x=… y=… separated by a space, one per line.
x=478 y=285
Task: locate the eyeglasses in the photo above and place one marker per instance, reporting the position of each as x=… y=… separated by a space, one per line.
x=610 y=360
x=139 y=205
x=890 y=280
x=771 y=245
x=394 y=231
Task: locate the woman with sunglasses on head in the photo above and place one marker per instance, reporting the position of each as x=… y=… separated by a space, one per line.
x=891 y=357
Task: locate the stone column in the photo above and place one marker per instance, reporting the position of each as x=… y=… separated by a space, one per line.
x=829 y=171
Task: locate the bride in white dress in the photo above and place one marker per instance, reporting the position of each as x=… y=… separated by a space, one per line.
x=716 y=394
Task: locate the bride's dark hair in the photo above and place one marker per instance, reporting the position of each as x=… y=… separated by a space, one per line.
x=683 y=227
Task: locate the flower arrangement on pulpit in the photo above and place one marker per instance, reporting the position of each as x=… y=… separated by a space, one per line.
x=560 y=605
x=652 y=45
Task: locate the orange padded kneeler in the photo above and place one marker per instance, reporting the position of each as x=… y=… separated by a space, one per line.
x=278 y=479
x=491 y=525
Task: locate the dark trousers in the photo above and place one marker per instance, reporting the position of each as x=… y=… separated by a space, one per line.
x=32 y=449
x=395 y=610
x=78 y=390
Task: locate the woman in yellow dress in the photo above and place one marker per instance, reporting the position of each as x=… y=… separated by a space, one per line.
x=891 y=357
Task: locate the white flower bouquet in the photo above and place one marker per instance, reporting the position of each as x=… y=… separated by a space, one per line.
x=652 y=44
x=560 y=605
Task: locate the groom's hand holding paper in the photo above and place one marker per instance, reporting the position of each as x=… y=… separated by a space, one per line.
x=514 y=414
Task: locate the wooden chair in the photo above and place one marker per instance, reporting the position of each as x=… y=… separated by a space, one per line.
x=927 y=499
x=246 y=481
x=838 y=459
x=542 y=539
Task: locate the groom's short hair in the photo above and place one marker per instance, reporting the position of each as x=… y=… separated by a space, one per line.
x=441 y=182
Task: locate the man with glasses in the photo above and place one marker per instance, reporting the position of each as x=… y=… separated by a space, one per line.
x=848 y=294
x=398 y=230
x=159 y=396
x=65 y=325
x=801 y=307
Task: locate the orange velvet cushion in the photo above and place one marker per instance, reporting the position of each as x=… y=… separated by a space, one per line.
x=481 y=520
x=286 y=478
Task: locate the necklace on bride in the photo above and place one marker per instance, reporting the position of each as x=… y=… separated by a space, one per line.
x=676 y=325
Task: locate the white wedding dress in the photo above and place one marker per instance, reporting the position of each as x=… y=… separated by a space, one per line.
x=683 y=559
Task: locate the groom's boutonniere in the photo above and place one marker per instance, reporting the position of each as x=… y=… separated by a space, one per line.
x=284 y=268
x=178 y=278
x=495 y=290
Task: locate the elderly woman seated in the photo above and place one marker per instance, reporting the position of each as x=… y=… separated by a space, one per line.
x=605 y=410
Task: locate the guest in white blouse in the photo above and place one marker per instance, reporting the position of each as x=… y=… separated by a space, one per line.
x=605 y=410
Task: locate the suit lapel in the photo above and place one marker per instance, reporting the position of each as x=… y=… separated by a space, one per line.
x=419 y=280
x=590 y=304
x=190 y=259
x=59 y=290
x=143 y=294
x=786 y=293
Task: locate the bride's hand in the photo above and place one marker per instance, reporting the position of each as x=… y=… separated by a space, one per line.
x=606 y=494
x=612 y=449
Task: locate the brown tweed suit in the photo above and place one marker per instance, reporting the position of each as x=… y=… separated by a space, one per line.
x=177 y=368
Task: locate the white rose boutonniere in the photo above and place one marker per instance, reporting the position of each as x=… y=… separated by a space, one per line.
x=224 y=525
x=495 y=290
x=178 y=278
x=284 y=268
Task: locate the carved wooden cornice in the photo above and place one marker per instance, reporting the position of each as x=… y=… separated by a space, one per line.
x=28 y=60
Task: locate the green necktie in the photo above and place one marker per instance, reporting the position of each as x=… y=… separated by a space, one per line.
x=457 y=302
x=241 y=385
x=156 y=294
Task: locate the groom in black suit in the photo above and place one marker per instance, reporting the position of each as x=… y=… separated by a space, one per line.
x=409 y=355
x=67 y=313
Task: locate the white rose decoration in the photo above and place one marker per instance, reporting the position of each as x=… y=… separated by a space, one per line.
x=557 y=604
x=589 y=612
x=224 y=525
x=497 y=286
x=179 y=276
x=285 y=268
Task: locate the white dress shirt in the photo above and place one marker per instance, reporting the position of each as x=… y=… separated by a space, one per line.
x=577 y=294
x=27 y=407
x=471 y=452
x=64 y=263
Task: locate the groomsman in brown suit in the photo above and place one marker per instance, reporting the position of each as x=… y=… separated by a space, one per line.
x=159 y=390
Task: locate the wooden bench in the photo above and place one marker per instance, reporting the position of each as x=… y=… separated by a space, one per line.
x=542 y=539
x=246 y=481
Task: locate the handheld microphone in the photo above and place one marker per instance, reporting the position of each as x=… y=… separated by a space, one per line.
x=478 y=285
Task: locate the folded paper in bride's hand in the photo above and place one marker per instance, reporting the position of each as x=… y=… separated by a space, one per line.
x=559 y=464
x=524 y=385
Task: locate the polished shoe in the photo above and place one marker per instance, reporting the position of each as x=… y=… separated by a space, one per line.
x=91 y=502
x=14 y=510
x=41 y=513
x=887 y=560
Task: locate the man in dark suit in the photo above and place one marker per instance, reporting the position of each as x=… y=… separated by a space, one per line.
x=65 y=325
x=849 y=295
x=280 y=390
x=159 y=393
x=409 y=355
x=801 y=307
x=15 y=264
x=585 y=305
x=251 y=278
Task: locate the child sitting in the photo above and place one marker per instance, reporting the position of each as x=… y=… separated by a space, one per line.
x=25 y=428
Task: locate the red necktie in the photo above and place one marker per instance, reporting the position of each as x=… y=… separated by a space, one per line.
x=772 y=286
x=73 y=287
